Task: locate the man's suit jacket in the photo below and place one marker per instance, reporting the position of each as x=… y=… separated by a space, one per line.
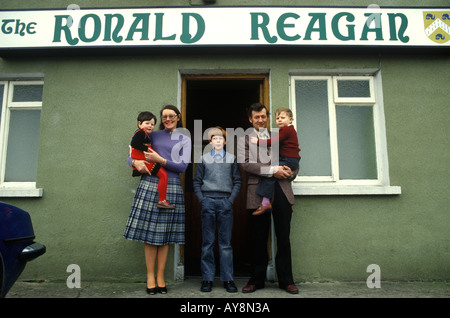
x=253 y=161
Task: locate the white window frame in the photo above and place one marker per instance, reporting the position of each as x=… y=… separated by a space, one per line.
x=332 y=185
x=14 y=189
x=352 y=100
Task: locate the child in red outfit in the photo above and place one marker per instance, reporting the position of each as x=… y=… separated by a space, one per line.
x=141 y=142
x=287 y=141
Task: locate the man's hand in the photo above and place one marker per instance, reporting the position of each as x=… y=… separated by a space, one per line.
x=282 y=172
x=254 y=140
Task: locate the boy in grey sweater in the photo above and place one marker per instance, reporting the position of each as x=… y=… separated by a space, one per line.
x=217 y=183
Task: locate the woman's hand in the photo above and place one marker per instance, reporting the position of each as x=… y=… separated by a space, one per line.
x=140 y=166
x=153 y=156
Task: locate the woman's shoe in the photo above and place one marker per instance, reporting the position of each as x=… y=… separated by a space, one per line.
x=162 y=290
x=151 y=291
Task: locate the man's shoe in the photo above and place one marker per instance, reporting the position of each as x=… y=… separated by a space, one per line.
x=291 y=289
x=230 y=286
x=206 y=286
x=262 y=209
x=249 y=288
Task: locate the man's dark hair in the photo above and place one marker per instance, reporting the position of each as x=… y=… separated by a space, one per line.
x=257 y=107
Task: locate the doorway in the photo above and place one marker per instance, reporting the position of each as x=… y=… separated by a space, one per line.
x=219 y=100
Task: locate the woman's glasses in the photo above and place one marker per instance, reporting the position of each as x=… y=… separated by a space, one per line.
x=168 y=116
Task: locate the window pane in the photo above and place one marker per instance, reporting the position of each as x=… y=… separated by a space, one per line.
x=356 y=142
x=23 y=141
x=353 y=88
x=313 y=127
x=28 y=93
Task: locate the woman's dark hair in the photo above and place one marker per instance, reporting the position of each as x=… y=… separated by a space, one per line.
x=176 y=110
x=143 y=116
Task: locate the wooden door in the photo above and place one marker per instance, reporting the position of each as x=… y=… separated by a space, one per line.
x=219 y=100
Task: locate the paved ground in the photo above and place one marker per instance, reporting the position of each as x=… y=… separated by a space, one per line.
x=190 y=289
x=185 y=297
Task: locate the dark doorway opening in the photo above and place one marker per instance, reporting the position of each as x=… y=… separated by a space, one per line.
x=218 y=101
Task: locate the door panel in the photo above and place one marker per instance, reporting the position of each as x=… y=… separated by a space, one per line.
x=218 y=101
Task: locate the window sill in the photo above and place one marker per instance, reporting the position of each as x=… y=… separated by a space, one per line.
x=302 y=189
x=21 y=192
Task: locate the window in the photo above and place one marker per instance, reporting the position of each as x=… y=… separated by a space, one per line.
x=21 y=103
x=340 y=124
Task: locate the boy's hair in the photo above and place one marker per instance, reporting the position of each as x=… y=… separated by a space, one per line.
x=143 y=116
x=217 y=131
x=284 y=109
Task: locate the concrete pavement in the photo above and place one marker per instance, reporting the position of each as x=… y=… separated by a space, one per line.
x=186 y=297
x=190 y=289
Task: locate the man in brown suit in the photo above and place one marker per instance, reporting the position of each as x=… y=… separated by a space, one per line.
x=253 y=159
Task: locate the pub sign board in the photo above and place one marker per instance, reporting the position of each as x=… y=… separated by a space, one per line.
x=225 y=26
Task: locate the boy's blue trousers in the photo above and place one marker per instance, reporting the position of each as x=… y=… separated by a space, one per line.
x=217 y=212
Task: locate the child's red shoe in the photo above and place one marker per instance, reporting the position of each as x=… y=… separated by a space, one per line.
x=262 y=209
x=165 y=205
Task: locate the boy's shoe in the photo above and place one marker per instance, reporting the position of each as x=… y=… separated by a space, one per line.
x=230 y=286
x=206 y=286
x=262 y=209
x=165 y=205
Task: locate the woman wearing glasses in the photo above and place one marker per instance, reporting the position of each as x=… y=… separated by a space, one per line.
x=147 y=223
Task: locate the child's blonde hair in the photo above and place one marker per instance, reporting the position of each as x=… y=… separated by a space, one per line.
x=284 y=109
x=217 y=131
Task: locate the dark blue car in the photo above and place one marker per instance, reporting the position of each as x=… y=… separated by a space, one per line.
x=16 y=245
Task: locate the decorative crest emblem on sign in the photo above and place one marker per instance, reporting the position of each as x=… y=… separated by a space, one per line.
x=437 y=25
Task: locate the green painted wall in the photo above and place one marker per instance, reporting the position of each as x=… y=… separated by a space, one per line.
x=89 y=110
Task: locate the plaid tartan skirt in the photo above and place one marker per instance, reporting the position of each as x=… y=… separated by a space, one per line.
x=149 y=224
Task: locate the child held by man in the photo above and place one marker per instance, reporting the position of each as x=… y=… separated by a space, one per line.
x=287 y=141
